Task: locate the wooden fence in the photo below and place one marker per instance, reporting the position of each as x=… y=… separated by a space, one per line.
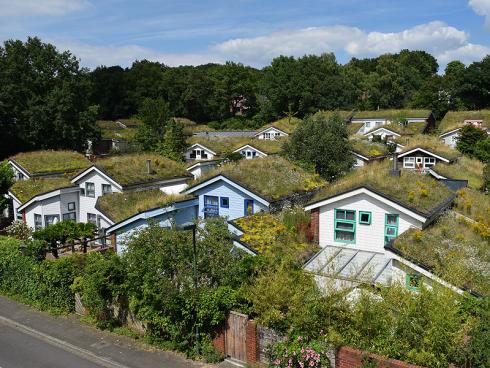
x=83 y=245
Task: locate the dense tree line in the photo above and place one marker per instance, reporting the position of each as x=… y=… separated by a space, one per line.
x=48 y=101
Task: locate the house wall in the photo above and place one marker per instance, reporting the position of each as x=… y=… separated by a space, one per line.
x=174 y=187
x=369 y=124
x=187 y=154
x=368 y=237
x=382 y=133
x=358 y=162
x=273 y=134
x=248 y=153
x=451 y=139
x=200 y=170
x=18 y=175
x=236 y=200
x=418 y=156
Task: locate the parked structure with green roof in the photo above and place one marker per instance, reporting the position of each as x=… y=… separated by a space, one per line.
x=453 y=121
x=366 y=151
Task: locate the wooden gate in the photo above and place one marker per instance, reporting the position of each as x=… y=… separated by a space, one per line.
x=236 y=336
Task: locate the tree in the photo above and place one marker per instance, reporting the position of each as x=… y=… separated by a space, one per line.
x=155 y=115
x=486 y=178
x=469 y=137
x=322 y=143
x=110 y=92
x=6 y=181
x=482 y=150
x=174 y=142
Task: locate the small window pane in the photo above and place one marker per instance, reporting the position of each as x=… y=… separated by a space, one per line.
x=392 y=219
x=340 y=215
x=391 y=231
x=365 y=218
x=350 y=215
x=345 y=225
x=344 y=235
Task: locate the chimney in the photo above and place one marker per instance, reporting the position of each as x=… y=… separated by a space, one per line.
x=148 y=167
x=395 y=171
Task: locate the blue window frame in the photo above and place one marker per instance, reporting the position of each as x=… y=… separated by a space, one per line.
x=224 y=202
x=211 y=208
x=248 y=207
x=345 y=226
x=391 y=227
x=365 y=218
x=413 y=282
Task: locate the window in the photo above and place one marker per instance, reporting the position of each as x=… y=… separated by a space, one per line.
x=248 y=207
x=345 y=226
x=429 y=161
x=368 y=124
x=211 y=206
x=204 y=154
x=409 y=162
x=413 y=282
x=82 y=192
x=38 y=222
x=267 y=135
x=365 y=218
x=225 y=202
x=90 y=189
x=51 y=219
x=106 y=189
x=70 y=216
x=277 y=135
x=71 y=206
x=92 y=218
x=378 y=123
x=391 y=227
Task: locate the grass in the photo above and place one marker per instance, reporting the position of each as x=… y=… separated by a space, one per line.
x=112 y=130
x=392 y=114
x=368 y=148
x=120 y=206
x=455 y=119
x=191 y=129
x=475 y=205
x=455 y=250
x=224 y=145
x=283 y=124
x=430 y=143
x=131 y=169
x=272 y=177
x=344 y=114
x=24 y=190
x=416 y=191
x=353 y=128
x=48 y=162
x=409 y=129
x=464 y=168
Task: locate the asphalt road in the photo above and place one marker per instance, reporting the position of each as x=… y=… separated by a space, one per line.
x=20 y=350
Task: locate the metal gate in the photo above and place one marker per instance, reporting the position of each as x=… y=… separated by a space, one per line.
x=236 y=336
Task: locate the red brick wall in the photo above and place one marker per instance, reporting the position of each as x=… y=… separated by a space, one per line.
x=352 y=358
x=315 y=223
x=252 y=343
x=219 y=341
x=24 y=216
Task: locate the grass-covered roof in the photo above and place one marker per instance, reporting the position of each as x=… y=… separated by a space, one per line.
x=429 y=143
x=474 y=205
x=455 y=119
x=368 y=148
x=124 y=129
x=271 y=177
x=120 y=206
x=464 y=168
x=24 y=190
x=327 y=114
x=392 y=114
x=403 y=129
x=224 y=145
x=353 y=128
x=49 y=162
x=419 y=192
x=131 y=169
x=454 y=248
x=285 y=124
x=191 y=129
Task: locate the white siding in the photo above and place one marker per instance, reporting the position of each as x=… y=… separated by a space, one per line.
x=271 y=134
x=251 y=153
x=382 y=133
x=368 y=237
x=451 y=139
x=175 y=187
x=369 y=124
x=358 y=162
x=187 y=154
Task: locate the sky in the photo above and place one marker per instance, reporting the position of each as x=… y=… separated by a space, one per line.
x=253 y=32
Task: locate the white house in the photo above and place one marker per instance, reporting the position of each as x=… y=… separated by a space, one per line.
x=199 y=152
x=249 y=152
x=370 y=120
x=422 y=159
x=383 y=133
x=271 y=133
x=199 y=168
x=450 y=138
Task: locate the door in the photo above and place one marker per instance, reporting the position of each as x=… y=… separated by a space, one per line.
x=236 y=336
x=211 y=208
x=249 y=207
x=419 y=163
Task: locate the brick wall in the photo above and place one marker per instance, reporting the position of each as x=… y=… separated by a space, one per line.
x=252 y=342
x=219 y=341
x=315 y=223
x=352 y=358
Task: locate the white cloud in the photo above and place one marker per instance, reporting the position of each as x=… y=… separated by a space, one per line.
x=466 y=54
x=14 y=8
x=482 y=7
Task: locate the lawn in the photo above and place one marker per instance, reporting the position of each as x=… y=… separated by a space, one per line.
x=416 y=191
x=120 y=206
x=131 y=169
x=48 y=162
x=464 y=168
x=24 y=190
x=455 y=119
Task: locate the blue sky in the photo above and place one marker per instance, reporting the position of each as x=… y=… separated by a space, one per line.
x=109 y=32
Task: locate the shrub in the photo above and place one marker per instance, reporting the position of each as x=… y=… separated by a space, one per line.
x=299 y=353
x=65 y=231
x=19 y=230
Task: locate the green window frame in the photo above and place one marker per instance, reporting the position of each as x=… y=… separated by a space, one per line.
x=345 y=226
x=413 y=281
x=391 y=228
x=363 y=214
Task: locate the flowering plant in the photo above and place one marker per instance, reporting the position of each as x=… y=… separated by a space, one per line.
x=299 y=353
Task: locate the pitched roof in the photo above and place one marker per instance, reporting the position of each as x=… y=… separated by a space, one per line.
x=455 y=119
x=392 y=114
x=224 y=145
x=429 y=143
x=50 y=162
x=283 y=124
x=25 y=190
x=368 y=148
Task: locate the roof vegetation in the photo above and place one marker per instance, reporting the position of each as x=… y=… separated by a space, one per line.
x=464 y=168
x=120 y=206
x=455 y=119
x=271 y=177
x=285 y=124
x=353 y=128
x=224 y=145
x=455 y=249
x=402 y=129
x=191 y=129
x=368 y=148
x=131 y=169
x=413 y=190
x=392 y=114
x=475 y=205
x=49 y=162
x=429 y=143
x=25 y=190
x=124 y=129
x=327 y=114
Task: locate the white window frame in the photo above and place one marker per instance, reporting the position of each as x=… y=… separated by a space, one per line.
x=429 y=162
x=38 y=225
x=89 y=220
x=87 y=192
x=409 y=162
x=106 y=191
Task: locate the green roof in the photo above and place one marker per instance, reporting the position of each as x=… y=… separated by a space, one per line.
x=464 y=168
x=408 y=129
x=368 y=149
x=419 y=192
x=475 y=205
x=429 y=143
x=454 y=249
x=353 y=128
x=131 y=169
x=25 y=190
x=49 y=162
x=224 y=145
x=120 y=206
x=392 y=115
x=113 y=130
x=191 y=129
x=455 y=119
x=271 y=177
x=344 y=114
x=283 y=124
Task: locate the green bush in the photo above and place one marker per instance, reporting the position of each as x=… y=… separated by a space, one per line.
x=65 y=231
x=299 y=352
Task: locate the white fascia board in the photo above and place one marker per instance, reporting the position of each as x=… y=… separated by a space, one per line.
x=202 y=163
x=426 y=152
x=376 y=196
x=201 y=147
x=384 y=129
x=271 y=128
x=250 y=147
x=19 y=168
x=99 y=172
x=232 y=183
x=450 y=132
x=360 y=156
x=14 y=197
x=48 y=195
x=436 y=175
